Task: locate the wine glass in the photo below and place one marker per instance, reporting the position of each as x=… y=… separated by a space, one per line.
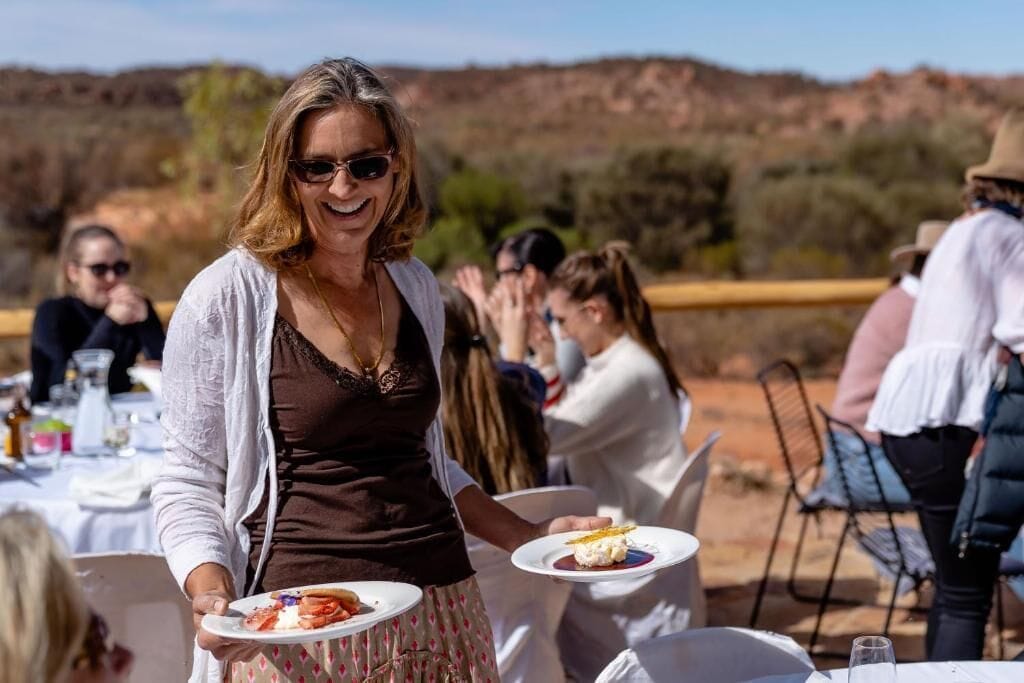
x=872 y=660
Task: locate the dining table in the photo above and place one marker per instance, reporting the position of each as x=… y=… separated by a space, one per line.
x=91 y=523
x=919 y=672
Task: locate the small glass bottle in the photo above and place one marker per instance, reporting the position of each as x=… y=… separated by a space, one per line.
x=18 y=421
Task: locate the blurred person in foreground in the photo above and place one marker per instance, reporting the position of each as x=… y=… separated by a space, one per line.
x=491 y=411
x=302 y=391
x=617 y=427
x=98 y=310
x=527 y=260
x=47 y=634
x=878 y=337
x=931 y=400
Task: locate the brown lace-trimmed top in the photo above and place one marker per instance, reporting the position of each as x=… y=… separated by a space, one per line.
x=357 y=500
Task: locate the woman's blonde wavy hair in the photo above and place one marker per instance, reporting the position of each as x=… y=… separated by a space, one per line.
x=44 y=615
x=270 y=224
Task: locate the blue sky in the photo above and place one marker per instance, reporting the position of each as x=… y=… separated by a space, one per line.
x=833 y=39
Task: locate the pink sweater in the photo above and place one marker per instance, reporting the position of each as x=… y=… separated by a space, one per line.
x=878 y=337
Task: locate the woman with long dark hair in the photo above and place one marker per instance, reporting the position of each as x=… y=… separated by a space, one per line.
x=491 y=411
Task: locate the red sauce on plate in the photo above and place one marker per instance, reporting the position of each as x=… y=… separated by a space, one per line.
x=634 y=558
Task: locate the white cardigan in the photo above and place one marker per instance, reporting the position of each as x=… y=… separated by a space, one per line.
x=971 y=301
x=218 y=446
x=618 y=429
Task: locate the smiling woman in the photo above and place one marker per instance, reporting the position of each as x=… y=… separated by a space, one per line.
x=302 y=389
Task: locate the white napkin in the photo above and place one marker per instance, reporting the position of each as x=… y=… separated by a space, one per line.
x=122 y=486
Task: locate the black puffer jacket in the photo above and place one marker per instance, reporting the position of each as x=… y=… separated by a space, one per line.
x=992 y=507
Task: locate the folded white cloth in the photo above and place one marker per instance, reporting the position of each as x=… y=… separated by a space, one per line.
x=122 y=486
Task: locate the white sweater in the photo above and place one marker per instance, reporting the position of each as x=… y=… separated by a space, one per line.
x=971 y=301
x=218 y=447
x=618 y=428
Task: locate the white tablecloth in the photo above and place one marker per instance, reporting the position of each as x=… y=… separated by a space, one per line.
x=93 y=529
x=923 y=672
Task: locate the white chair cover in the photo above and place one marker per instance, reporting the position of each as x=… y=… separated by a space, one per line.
x=602 y=619
x=525 y=609
x=139 y=599
x=723 y=655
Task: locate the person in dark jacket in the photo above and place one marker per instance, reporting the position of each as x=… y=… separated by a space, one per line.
x=99 y=310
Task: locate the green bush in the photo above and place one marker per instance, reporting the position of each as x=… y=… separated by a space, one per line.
x=665 y=201
x=484 y=202
x=816 y=216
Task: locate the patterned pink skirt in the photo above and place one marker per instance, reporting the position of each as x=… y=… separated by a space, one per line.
x=445 y=639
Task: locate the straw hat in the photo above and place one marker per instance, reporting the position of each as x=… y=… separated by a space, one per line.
x=1006 y=160
x=928 y=234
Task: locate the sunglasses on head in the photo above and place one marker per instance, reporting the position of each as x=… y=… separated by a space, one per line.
x=96 y=644
x=514 y=270
x=369 y=167
x=120 y=268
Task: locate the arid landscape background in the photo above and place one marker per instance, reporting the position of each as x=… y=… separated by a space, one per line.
x=709 y=171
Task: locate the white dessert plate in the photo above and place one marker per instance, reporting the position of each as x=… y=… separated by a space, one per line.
x=667 y=546
x=380 y=600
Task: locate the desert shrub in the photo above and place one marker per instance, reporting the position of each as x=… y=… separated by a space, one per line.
x=483 y=201
x=451 y=242
x=814 y=216
x=666 y=201
x=913 y=152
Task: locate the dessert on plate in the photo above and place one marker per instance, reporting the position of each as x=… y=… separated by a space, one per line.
x=309 y=608
x=601 y=548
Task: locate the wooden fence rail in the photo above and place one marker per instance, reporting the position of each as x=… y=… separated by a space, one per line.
x=679 y=296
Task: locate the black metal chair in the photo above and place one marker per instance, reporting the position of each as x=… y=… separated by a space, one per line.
x=898 y=552
x=800 y=446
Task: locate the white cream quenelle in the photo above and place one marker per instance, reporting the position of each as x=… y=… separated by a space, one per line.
x=601 y=548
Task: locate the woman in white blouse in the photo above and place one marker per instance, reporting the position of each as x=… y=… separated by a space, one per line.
x=617 y=427
x=930 y=402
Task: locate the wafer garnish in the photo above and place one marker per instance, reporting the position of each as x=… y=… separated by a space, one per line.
x=602 y=533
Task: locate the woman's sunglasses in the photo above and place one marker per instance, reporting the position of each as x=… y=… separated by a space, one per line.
x=120 y=268
x=323 y=171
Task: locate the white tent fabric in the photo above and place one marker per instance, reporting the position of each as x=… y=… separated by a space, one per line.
x=604 y=618
x=139 y=599
x=723 y=655
x=525 y=609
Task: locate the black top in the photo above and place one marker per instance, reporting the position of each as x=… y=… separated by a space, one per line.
x=68 y=324
x=357 y=499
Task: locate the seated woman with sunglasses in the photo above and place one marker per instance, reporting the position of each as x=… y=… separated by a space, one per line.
x=100 y=311
x=302 y=388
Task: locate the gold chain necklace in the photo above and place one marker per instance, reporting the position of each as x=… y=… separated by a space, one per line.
x=367 y=370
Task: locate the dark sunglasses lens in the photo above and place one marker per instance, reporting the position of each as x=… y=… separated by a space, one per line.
x=122 y=268
x=369 y=168
x=314 y=171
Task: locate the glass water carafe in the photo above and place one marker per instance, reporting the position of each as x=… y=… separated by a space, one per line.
x=94 y=408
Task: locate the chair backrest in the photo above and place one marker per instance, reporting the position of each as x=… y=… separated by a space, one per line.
x=146 y=612
x=682 y=506
x=723 y=655
x=853 y=453
x=799 y=439
x=525 y=609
